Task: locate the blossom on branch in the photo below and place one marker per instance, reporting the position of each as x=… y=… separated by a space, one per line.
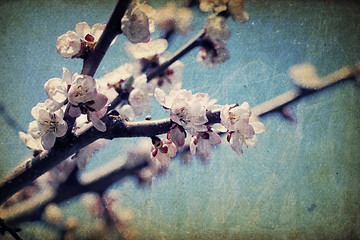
x=136 y=24
x=201 y=143
x=79 y=43
x=161 y=151
x=48 y=125
x=242 y=126
x=170 y=17
x=85 y=99
x=235 y=8
x=139 y=96
x=57 y=88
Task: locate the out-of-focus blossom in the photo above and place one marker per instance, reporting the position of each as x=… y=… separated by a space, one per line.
x=126 y=112
x=235 y=8
x=53 y=214
x=48 y=125
x=213 y=56
x=84 y=154
x=161 y=151
x=170 y=78
x=136 y=25
x=242 y=126
x=201 y=143
x=147 y=50
x=139 y=96
x=170 y=17
x=216 y=28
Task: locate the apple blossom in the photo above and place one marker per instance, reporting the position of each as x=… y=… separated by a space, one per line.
x=136 y=24
x=56 y=89
x=201 y=143
x=242 y=126
x=187 y=110
x=146 y=50
x=216 y=29
x=161 y=151
x=139 y=96
x=48 y=125
x=212 y=56
x=68 y=44
x=170 y=17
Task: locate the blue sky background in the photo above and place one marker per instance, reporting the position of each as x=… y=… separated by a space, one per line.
x=301 y=181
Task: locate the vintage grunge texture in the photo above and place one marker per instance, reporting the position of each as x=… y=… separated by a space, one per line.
x=302 y=182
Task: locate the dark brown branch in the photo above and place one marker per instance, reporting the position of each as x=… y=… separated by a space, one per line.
x=112 y=29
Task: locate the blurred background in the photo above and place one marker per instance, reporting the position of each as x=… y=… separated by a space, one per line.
x=301 y=182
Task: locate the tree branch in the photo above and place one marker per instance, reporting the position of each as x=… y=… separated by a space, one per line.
x=112 y=29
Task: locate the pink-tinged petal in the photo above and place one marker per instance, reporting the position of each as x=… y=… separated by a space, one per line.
x=214 y=138
x=74 y=111
x=177 y=136
x=66 y=77
x=82 y=29
x=61 y=129
x=30 y=142
x=204 y=148
x=97 y=30
x=251 y=143
x=258 y=127
x=99 y=125
x=68 y=44
x=48 y=140
x=193 y=144
x=99 y=102
x=53 y=106
x=236 y=145
x=34 y=129
x=160 y=96
x=247 y=130
x=35 y=110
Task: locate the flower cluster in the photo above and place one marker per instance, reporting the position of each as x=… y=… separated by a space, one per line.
x=242 y=126
x=189 y=113
x=235 y=8
x=82 y=97
x=77 y=44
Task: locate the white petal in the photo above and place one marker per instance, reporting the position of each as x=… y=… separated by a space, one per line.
x=34 y=129
x=61 y=129
x=48 y=140
x=82 y=29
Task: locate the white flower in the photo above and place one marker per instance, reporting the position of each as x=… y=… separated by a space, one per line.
x=211 y=57
x=237 y=10
x=72 y=44
x=186 y=110
x=201 y=144
x=30 y=142
x=139 y=96
x=170 y=78
x=234 y=7
x=87 y=34
x=68 y=44
x=242 y=126
x=146 y=50
x=56 y=89
x=136 y=24
x=82 y=90
x=216 y=28
x=48 y=125
x=170 y=17
x=162 y=151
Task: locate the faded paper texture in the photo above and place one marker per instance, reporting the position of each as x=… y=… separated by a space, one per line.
x=301 y=182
